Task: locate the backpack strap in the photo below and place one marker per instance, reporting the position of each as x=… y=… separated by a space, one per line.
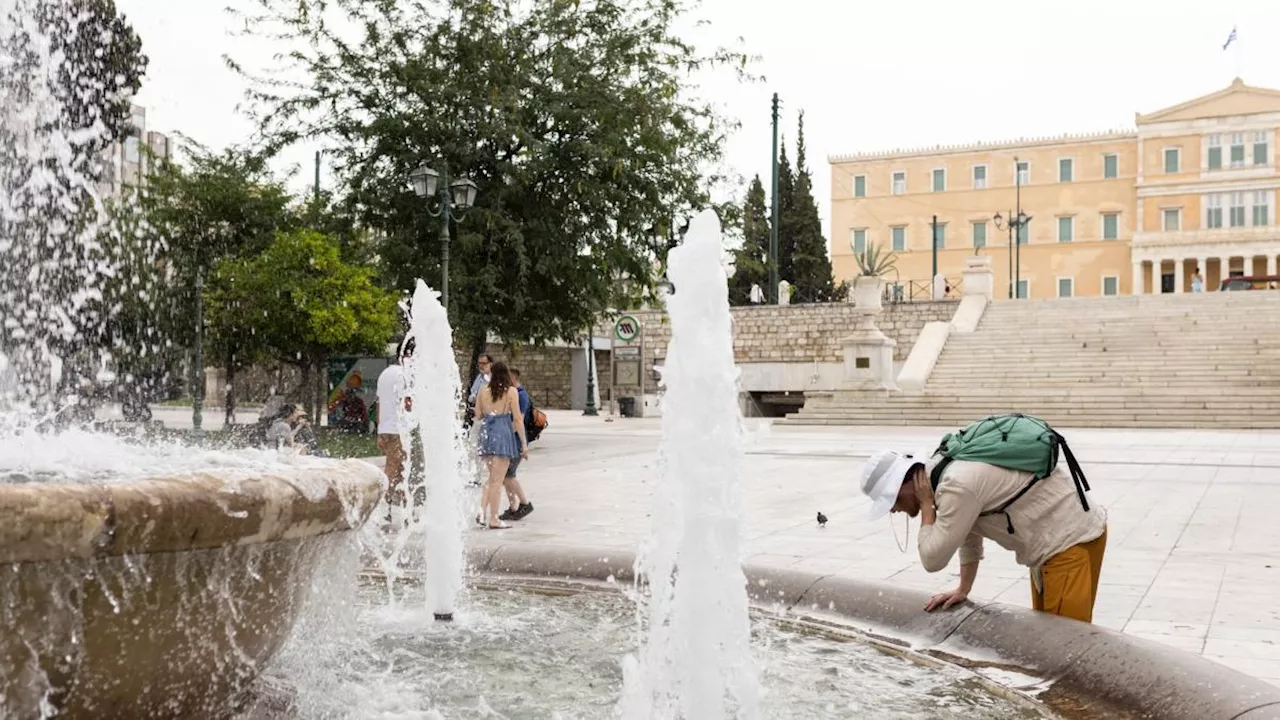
x=1077 y=473
x=1004 y=507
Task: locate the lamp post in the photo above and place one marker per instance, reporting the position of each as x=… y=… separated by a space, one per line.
x=453 y=201
x=590 y=409
x=1017 y=221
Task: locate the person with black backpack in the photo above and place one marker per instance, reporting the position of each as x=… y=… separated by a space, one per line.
x=518 y=505
x=999 y=479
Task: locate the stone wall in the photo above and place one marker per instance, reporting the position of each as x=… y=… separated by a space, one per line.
x=797 y=333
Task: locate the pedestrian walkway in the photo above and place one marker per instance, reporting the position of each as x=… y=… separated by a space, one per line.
x=1192 y=557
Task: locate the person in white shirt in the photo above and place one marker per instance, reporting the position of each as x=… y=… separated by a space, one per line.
x=391 y=398
x=1197 y=282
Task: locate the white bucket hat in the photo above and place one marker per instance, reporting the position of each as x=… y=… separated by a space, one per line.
x=882 y=477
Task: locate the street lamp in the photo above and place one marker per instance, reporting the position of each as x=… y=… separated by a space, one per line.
x=452 y=202
x=1017 y=221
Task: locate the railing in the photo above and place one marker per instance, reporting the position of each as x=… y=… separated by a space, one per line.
x=896 y=292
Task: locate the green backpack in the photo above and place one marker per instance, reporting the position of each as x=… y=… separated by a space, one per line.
x=1014 y=441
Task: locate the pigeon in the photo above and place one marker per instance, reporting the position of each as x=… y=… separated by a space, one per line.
x=822 y=519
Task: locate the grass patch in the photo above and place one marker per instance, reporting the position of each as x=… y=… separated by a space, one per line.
x=347 y=445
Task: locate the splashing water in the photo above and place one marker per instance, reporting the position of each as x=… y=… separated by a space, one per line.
x=432 y=380
x=51 y=263
x=696 y=661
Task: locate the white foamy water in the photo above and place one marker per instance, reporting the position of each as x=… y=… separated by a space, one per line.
x=696 y=662
x=433 y=381
x=77 y=456
x=51 y=267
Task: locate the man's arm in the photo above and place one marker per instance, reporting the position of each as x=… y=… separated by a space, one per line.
x=945 y=526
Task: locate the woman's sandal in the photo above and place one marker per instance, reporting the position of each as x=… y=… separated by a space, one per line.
x=499 y=526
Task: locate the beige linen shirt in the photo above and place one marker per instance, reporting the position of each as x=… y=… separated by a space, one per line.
x=1046 y=520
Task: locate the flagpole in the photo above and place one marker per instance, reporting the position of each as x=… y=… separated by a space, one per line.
x=1237 y=34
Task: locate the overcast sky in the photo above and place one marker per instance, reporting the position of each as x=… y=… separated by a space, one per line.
x=869 y=75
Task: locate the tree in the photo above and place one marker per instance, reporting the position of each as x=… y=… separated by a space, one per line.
x=576 y=121
x=751 y=259
x=102 y=68
x=786 y=215
x=305 y=304
x=216 y=207
x=809 y=267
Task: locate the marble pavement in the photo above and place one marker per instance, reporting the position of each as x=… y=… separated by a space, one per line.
x=1193 y=557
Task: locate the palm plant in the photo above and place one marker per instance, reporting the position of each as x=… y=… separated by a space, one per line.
x=874 y=261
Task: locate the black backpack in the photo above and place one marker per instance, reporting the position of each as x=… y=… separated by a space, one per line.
x=532 y=429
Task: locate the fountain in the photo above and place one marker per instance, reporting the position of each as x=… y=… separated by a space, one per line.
x=135 y=581
x=696 y=662
x=434 y=386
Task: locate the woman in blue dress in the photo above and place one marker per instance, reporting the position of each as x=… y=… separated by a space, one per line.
x=501 y=438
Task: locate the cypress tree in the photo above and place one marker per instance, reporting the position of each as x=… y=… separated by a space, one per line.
x=751 y=260
x=808 y=265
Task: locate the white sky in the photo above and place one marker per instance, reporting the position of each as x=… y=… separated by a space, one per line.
x=869 y=75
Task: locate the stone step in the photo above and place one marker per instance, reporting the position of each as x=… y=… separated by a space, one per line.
x=1117 y=367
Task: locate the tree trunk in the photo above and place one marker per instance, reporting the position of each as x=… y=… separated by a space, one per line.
x=321 y=389
x=308 y=393
x=479 y=344
x=229 y=403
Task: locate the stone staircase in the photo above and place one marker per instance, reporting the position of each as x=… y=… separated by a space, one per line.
x=1154 y=361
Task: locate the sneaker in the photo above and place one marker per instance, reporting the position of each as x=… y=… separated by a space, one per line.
x=510 y=514
x=523 y=511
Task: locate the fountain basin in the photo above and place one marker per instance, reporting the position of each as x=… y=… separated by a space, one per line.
x=163 y=597
x=1075 y=670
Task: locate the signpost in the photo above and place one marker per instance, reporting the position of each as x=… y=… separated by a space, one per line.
x=627 y=360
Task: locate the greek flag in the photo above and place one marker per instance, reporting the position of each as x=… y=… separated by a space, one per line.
x=1230 y=39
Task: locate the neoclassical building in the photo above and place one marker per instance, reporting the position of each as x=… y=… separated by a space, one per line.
x=1193 y=187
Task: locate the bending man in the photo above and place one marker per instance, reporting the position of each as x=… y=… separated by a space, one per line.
x=1046 y=528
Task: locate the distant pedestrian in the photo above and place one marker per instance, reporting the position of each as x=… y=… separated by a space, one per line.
x=392 y=398
x=502 y=439
x=1197 y=282
x=518 y=505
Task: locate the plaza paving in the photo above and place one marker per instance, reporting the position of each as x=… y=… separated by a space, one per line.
x=1192 y=556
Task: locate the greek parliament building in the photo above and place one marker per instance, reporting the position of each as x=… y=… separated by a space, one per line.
x=1138 y=211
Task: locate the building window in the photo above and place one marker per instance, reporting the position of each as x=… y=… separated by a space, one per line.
x=979 y=234
x=1260 y=149
x=1261 y=207
x=1110 y=285
x=1024 y=233
x=899 y=235
x=940 y=236
x=1066 y=169
x=1172 y=219
x=1110 y=166
x=859 y=241
x=1213 y=213
x=1237 y=209
x=1172 y=160
x=1066 y=229
x=1237 y=150
x=1215 y=152
x=1024 y=289
x=860 y=186
x=1066 y=287
x=899 y=183
x=1110 y=226
x=979 y=177
x=1023 y=173
x=939 y=180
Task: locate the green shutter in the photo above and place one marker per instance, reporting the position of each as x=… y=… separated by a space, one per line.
x=1065 y=229
x=1171 y=160
x=1110 y=166
x=1215 y=158
x=1259 y=153
x=1109 y=286
x=860 y=186
x=1110 y=227
x=1064 y=170
x=899 y=239
x=859 y=241
x=979 y=235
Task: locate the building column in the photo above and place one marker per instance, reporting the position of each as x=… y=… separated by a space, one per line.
x=1179 y=268
x=1138 y=281
x=1271 y=264
x=1202 y=267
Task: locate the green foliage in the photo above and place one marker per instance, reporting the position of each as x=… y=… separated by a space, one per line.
x=304 y=303
x=751 y=259
x=577 y=121
x=875 y=262
x=804 y=253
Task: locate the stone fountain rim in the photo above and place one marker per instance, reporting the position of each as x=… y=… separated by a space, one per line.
x=47 y=522
x=1074 y=669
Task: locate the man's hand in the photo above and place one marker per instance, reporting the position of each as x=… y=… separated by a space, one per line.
x=946 y=600
x=924 y=490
